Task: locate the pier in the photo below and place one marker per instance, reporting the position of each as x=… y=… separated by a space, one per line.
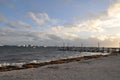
x=91 y=49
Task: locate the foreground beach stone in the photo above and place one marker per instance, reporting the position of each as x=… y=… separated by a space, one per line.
x=103 y=68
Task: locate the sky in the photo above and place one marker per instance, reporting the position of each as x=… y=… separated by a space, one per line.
x=58 y=22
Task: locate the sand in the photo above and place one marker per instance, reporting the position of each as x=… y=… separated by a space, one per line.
x=104 y=68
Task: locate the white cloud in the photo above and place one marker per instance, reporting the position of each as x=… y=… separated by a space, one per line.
x=44 y=16
x=71 y=36
x=68 y=32
x=108 y=40
x=114 y=10
x=99 y=26
x=65 y=32
x=41 y=18
x=112 y=18
x=21 y=23
x=92 y=25
x=107 y=37
x=34 y=17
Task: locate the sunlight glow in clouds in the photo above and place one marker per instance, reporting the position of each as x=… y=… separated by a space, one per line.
x=39 y=18
x=110 y=19
x=104 y=28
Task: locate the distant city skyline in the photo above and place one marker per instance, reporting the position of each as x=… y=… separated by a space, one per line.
x=55 y=22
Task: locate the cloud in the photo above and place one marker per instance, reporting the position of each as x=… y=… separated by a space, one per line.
x=34 y=17
x=71 y=36
x=96 y=28
x=53 y=37
x=21 y=23
x=10 y=36
x=13 y=24
x=109 y=19
x=114 y=10
x=73 y=30
x=41 y=18
x=65 y=32
x=107 y=37
x=108 y=40
x=44 y=16
x=18 y=24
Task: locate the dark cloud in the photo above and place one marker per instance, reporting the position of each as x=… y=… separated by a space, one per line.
x=10 y=36
x=54 y=37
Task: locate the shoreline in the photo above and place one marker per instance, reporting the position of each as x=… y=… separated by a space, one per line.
x=59 y=61
x=103 y=68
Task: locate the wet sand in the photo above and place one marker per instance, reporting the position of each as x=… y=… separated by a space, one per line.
x=103 y=68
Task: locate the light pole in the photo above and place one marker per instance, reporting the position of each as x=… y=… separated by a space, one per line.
x=98 y=46
x=81 y=44
x=119 y=47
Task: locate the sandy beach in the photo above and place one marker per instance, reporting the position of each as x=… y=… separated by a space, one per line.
x=104 y=68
